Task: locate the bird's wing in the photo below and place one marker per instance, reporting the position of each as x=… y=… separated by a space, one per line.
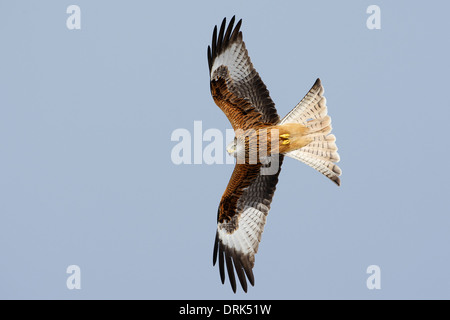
x=241 y=218
x=235 y=84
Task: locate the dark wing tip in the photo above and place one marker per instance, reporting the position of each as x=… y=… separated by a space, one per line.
x=216 y=247
x=234 y=262
x=240 y=271
x=221 y=40
x=233 y=18
x=248 y=271
x=221 y=264
x=230 y=270
x=221 y=31
x=209 y=57
x=214 y=42
x=236 y=31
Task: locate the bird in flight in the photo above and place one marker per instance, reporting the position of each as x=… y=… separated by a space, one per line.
x=261 y=142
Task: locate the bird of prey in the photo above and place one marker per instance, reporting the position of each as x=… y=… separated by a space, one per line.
x=303 y=134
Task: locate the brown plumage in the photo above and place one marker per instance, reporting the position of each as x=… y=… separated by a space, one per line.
x=261 y=142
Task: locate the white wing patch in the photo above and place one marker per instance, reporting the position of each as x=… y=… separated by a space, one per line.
x=245 y=239
x=236 y=59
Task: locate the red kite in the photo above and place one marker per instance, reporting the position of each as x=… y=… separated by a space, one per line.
x=303 y=134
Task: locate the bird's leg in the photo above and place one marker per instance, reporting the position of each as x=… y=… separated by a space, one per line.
x=285 y=138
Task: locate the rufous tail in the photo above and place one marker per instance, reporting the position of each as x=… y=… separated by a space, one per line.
x=317 y=146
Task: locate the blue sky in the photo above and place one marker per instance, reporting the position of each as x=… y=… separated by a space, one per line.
x=86 y=176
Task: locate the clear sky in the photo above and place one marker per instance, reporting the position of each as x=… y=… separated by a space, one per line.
x=87 y=179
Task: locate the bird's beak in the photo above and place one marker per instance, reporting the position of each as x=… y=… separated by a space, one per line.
x=231 y=149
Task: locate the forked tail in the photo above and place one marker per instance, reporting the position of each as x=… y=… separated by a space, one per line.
x=321 y=153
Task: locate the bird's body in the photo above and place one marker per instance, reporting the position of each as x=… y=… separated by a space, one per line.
x=262 y=140
x=270 y=139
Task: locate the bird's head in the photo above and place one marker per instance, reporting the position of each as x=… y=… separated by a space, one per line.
x=231 y=148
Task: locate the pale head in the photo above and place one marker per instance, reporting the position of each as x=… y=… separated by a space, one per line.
x=231 y=148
